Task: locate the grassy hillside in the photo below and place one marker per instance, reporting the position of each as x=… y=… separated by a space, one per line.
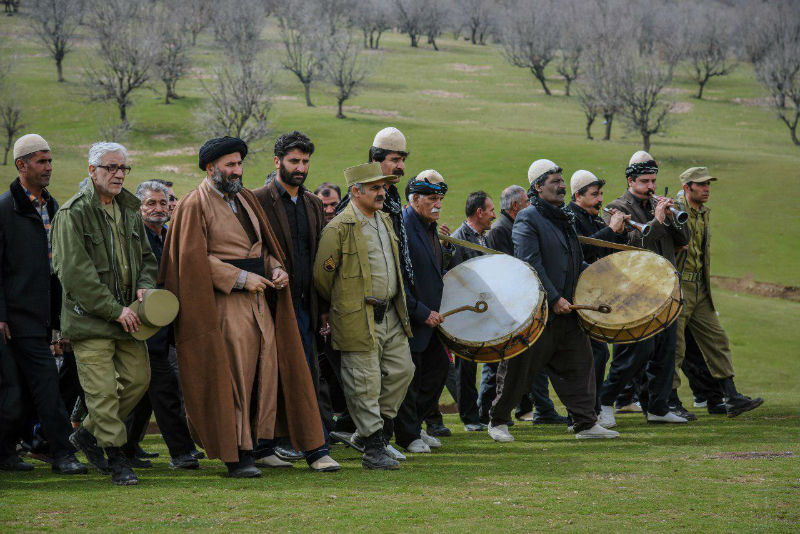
x=466 y=113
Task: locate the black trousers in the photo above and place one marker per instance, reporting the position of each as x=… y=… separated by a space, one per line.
x=68 y=381
x=537 y=398
x=466 y=373
x=563 y=351
x=164 y=399
x=601 y=356
x=11 y=410
x=430 y=374
x=704 y=386
x=39 y=374
x=656 y=356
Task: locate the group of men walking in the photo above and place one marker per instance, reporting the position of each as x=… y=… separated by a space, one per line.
x=308 y=318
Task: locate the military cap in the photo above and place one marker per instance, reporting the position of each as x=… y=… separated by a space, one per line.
x=390 y=139
x=28 y=144
x=697 y=175
x=364 y=173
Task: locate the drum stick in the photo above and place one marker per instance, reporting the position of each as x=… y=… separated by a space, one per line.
x=602 y=308
x=467 y=244
x=479 y=307
x=606 y=244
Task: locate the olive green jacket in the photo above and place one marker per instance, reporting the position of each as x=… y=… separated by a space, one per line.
x=83 y=259
x=682 y=254
x=342 y=277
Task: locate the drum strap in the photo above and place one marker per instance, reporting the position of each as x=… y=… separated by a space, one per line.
x=467 y=244
x=606 y=244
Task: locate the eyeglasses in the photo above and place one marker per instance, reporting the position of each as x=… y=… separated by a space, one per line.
x=113 y=169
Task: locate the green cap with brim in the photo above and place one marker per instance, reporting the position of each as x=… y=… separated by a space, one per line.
x=365 y=173
x=158 y=308
x=696 y=175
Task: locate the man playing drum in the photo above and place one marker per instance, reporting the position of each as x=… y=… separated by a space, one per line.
x=698 y=313
x=544 y=237
x=657 y=353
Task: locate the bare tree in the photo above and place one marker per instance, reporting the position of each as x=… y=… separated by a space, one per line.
x=126 y=53
x=239 y=102
x=707 y=39
x=10 y=118
x=477 y=17
x=333 y=14
x=172 y=59
x=55 y=23
x=437 y=16
x=590 y=105
x=196 y=15
x=237 y=28
x=411 y=17
x=642 y=99
x=529 y=38
x=372 y=17
x=347 y=68
x=304 y=42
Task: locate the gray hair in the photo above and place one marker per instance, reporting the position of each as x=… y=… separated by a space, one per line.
x=102 y=148
x=510 y=194
x=150 y=185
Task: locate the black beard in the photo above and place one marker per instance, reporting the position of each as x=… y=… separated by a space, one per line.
x=598 y=206
x=294 y=179
x=224 y=185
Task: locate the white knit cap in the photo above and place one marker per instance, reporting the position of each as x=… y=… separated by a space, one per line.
x=539 y=167
x=431 y=175
x=28 y=144
x=640 y=157
x=581 y=179
x=390 y=139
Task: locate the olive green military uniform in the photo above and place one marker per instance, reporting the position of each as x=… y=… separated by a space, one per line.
x=698 y=311
x=102 y=256
x=358 y=257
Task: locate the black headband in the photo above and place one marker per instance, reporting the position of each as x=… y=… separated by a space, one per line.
x=635 y=170
x=424 y=187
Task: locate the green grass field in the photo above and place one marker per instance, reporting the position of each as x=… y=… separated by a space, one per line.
x=480 y=122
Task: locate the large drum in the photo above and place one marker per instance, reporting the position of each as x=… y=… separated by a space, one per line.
x=643 y=290
x=516 y=308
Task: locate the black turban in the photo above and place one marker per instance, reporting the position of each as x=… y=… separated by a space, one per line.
x=635 y=170
x=214 y=149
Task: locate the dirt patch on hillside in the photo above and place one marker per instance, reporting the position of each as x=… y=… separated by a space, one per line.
x=443 y=94
x=761 y=289
x=681 y=107
x=285 y=97
x=184 y=151
x=760 y=102
x=463 y=67
x=751 y=455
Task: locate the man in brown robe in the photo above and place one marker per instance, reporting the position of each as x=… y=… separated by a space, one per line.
x=240 y=381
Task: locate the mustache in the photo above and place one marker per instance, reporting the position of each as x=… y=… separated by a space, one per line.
x=380 y=198
x=598 y=205
x=561 y=191
x=398 y=172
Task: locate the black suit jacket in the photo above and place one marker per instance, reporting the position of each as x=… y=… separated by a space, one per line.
x=426 y=295
x=499 y=236
x=595 y=227
x=30 y=296
x=547 y=249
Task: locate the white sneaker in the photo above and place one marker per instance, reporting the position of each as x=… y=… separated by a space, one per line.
x=527 y=416
x=500 y=433
x=394 y=454
x=418 y=446
x=430 y=441
x=701 y=404
x=272 y=461
x=606 y=418
x=668 y=418
x=597 y=432
x=633 y=407
x=326 y=464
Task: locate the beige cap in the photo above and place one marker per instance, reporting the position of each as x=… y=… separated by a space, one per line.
x=390 y=139
x=431 y=175
x=581 y=179
x=697 y=175
x=364 y=173
x=28 y=144
x=640 y=157
x=540 y=167
x=158 y=308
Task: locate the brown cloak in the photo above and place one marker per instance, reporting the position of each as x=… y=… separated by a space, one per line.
x=210 y=390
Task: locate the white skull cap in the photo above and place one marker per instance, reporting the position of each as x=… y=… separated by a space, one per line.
x=640 y=157
x=431 y=175
x=581 y=179
x=390 y=139
x=28 y=144
x=539 y=167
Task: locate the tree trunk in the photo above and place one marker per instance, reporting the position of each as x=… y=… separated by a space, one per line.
x=793 y=130
x=123 y=113
x=609 y=122
x=340 y=115
x=432 y=41
x=538 y=72
x=60 y=70
x=646 y=142
x=166 y=96
x=589 y=123
x=566 y=89
x=473 y=37
x=5 y=154
x=413 y=40
x=378 y=40
x=700 y=91
x=307 y=89
x=194 y=37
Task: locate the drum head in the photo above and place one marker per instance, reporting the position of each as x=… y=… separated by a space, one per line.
x=636 y=284
x=509 y=286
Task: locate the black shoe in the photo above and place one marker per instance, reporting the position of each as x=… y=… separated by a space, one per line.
x=84 y=441
x=184 y=461
x=197 y=455
x=121 y=472
x=14 y=463
x=139 y=463
x=740 y=403
x=439 y=430
x=549 y=419
x=716 y=408
x=288 y=454
x=236 y=470
x=138 y=452
x=69 y=465
x=680 y=411
x=375 y=455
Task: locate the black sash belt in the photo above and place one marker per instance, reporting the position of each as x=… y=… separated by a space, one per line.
x=251 y=265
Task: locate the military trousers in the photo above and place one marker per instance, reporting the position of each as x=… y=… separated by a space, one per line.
x=115 y=375
x=700 y=317
x=375 y=382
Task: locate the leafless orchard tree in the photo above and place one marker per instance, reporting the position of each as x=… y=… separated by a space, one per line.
x=239 y=102
x=437 y=16
x=335 y=15
x=126 y=52
x=10 y=113
x=707 y=38
x=529 y=38
x=346 y=67
x=643 y=103
x=477 y=18
x=410 y=15
x=372 y=17
x=237 y=28
x=55 y=23
x=172 y=43
x=196 y=15
x=304 y=41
